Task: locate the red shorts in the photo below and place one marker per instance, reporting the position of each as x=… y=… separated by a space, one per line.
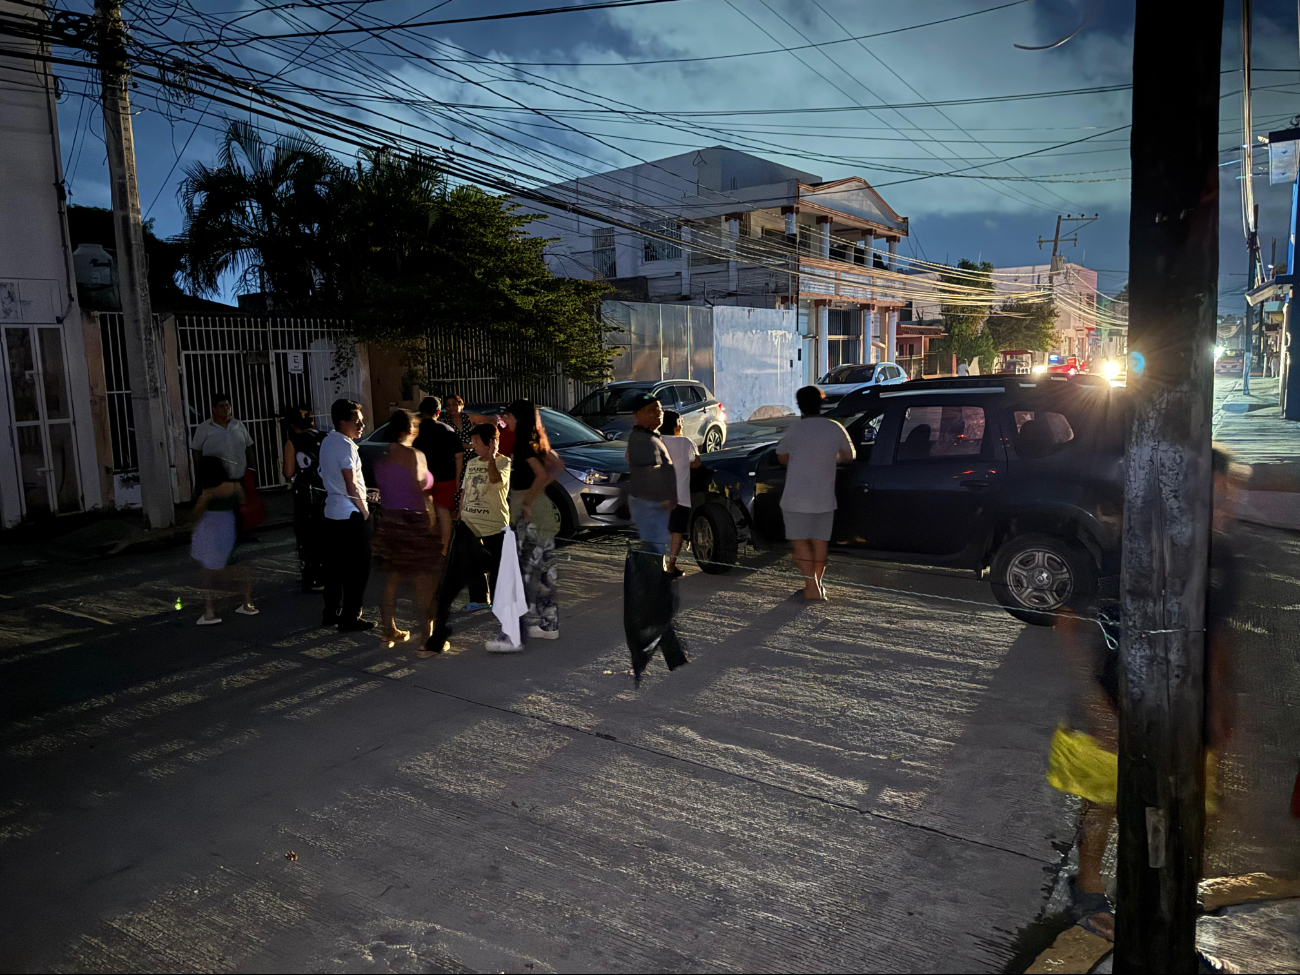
x=444 y=495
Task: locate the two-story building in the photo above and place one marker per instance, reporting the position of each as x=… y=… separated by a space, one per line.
x=47 y=462
x=722 y=227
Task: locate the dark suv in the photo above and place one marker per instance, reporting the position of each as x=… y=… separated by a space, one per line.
x=1022 y=478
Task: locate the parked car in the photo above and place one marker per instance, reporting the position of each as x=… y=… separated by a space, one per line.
x=1065 y=365
x=588 y=495
x=704 y=419
x=1022 y=479
x=842 y=380
x=1229 y=362
x=1015 y=362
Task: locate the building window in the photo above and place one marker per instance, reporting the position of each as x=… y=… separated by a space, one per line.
x=656 y=249
x=746 y=225
x=843 y=337
x=603 y=259
x=706 y=237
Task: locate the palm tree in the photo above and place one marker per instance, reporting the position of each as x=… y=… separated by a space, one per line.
x=264 y=214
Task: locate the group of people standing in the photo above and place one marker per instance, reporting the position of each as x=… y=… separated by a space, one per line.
x=458 y=514
x=453 y=497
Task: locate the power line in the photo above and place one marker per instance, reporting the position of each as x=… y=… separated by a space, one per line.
x=776 y=50
x=606 y=5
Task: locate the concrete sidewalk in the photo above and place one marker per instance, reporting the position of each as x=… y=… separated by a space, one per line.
x=1252 y=845
x=72 y=539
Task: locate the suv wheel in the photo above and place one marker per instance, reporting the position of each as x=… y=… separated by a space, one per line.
x=712 y=440
x=1037 y=576
x=713 y=539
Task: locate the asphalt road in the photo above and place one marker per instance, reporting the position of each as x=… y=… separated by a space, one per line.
x=850 y=787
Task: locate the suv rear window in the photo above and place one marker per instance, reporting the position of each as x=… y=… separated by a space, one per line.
x=608 y=402
x=847 y=374
x=940 y=431
x=1042 y=432
x=689 y=395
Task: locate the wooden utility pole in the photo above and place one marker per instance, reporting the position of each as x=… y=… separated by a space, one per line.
x=144 y=355
x=1173 y=285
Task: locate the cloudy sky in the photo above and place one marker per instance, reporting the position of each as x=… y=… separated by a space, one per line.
x=605 y=107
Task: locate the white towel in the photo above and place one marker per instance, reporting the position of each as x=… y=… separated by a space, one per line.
x=508 y=601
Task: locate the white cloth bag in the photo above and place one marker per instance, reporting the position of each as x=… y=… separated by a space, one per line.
x=508 y=601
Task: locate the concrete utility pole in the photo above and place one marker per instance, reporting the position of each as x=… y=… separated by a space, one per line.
x=144 y=353
x=1173 y=283
x=1057 y=240
x=1249 y=210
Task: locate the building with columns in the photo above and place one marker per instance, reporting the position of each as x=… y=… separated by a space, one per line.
x=722 y=227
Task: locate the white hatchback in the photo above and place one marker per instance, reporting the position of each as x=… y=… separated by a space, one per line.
x=845 y=379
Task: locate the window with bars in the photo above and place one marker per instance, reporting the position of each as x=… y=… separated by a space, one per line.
x=603 y=258
x=656 y=249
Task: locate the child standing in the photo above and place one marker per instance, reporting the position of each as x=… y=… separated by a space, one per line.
x=216 y=528
x=685 y=457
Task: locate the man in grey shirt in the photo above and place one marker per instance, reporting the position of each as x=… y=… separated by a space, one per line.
x=810 y=451
x=648 y=600
x=652 y=483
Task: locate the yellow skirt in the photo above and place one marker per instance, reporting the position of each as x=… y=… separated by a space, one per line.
x=1081 y=766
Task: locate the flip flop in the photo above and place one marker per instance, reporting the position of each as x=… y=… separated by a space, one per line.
x=1087 y=907
x=247 y=610
x=208 y=621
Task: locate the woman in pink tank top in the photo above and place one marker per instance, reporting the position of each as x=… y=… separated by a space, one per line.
x=407 y=539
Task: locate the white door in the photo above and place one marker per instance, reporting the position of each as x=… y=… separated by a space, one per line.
x=44 y=440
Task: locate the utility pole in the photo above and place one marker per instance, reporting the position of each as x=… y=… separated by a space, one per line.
x=1057 y=240
x=1249 y=211
x=1058 y=261
x=1173 y=285
x=144 y=353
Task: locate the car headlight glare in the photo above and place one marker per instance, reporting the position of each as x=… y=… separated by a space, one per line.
x=1039 y=370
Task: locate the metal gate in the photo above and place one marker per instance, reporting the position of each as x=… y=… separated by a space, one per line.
x=466 y=362
x=267 y=366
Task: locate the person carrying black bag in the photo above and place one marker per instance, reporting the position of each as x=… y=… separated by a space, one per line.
x=301 y=466
x=648 y=598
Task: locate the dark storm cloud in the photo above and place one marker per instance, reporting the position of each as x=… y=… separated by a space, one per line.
x=952 y=217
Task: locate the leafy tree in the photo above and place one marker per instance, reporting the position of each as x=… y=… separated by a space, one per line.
x=389 y=246
x=1023 y=325
x=964 y=313
x=472 y=269
x=263 y=214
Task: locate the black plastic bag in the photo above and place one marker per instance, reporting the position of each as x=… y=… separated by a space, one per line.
x=649 y=602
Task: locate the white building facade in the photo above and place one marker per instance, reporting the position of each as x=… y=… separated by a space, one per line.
x=48 y=447
x=721 y=227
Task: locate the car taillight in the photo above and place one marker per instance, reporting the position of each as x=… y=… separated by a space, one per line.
x=723 y=410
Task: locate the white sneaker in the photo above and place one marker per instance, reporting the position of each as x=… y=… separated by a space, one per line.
x=540 y=634
x=502 y=646
x=248 y=609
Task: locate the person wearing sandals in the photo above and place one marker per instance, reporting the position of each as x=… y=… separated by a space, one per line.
x=216 y=529
x=1084 y=756
x=685 y=459
x=533 y=466
x=810 y=451
x=407 y=540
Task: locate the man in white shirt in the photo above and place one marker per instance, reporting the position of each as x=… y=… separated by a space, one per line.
x=346 y=546
x=223 y=437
